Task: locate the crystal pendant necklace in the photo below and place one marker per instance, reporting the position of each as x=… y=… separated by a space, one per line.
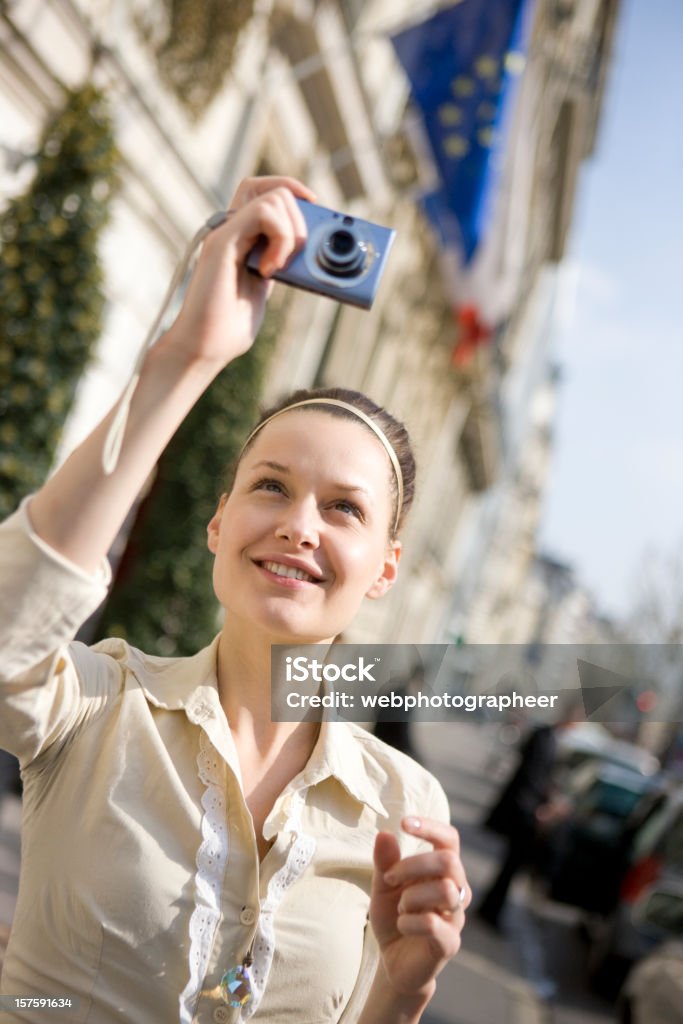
x=236 y=983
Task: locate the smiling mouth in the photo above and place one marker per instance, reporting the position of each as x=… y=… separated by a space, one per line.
x=289 y=571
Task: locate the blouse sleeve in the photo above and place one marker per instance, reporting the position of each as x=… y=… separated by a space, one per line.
x=438 y=804
x=44 y=599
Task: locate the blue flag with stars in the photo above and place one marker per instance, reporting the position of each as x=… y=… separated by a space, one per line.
x=464 y=64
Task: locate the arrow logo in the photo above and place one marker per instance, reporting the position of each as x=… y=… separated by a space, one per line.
x=599 y=685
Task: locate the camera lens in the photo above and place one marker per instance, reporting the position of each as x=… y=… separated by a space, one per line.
x=342 y=242
x=341 y=253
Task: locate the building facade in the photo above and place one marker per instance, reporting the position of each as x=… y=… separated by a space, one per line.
x=313 y=89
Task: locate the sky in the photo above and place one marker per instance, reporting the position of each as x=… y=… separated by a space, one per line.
x=615 y=491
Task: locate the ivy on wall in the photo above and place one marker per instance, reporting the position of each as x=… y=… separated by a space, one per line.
x=51 y=299
x=195 y=46
x=163 y=600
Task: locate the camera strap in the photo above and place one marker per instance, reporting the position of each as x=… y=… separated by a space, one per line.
x=117 y=429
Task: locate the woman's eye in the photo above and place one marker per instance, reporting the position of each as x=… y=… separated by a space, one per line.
x=348 y=508
x=273 y=486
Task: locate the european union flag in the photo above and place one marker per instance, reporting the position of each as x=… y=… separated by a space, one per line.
x=463 y=64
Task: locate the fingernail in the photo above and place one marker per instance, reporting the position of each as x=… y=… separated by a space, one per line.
x=391 y=878
x=413 y=823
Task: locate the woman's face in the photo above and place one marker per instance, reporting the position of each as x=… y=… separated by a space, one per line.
x=303 y=535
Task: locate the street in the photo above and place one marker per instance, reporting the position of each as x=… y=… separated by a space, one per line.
x=540 y=944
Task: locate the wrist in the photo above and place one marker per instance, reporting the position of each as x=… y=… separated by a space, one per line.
x=176 y=361
x=386 y=1005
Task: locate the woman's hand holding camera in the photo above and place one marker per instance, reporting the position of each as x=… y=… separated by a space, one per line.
x=80 y=509
x=224 y=304
x=417 y=908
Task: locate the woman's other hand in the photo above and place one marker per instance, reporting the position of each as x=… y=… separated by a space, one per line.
x=225 y=302
x=416 y=909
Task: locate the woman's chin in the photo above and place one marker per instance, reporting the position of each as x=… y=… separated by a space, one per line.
x=284 y=629
x=292 y=635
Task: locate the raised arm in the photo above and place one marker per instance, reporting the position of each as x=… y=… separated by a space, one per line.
x=79 y=511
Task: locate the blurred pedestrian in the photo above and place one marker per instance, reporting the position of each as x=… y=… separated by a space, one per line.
x=393 y=725
x=10 y=777
x=527 y=805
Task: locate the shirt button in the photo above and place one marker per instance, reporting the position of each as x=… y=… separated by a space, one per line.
x=199 y=713
x=247 y=916
x=221 y=1015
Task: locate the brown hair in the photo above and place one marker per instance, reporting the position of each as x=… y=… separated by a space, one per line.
x=393 y=429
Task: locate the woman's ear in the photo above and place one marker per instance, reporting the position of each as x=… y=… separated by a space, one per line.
x=389 y=571
x=214 y=525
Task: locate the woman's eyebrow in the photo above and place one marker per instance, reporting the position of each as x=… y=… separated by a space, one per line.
x=338 y=484
x=277 y=466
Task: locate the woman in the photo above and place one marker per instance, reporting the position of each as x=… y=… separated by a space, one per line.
x=184 y=857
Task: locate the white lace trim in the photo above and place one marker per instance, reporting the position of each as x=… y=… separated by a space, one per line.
x=299 y=857
x=211 y=860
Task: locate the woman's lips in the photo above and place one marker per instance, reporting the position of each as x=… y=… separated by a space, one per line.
x=285 y=575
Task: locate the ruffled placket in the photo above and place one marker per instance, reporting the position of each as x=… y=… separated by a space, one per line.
x=299 y=856
x=211 y=860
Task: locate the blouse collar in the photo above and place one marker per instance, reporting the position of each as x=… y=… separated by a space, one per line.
x=191 y=685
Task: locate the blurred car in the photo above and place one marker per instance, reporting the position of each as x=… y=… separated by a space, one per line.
x=657 y=845
x=589 y=852
x=585 y=742
x=635 y=929
x=653 y=991
x=649 y=908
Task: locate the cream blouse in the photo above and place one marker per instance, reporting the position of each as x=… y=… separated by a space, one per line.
x=140 y=879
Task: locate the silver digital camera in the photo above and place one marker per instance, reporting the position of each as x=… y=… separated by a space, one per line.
x=344 y=256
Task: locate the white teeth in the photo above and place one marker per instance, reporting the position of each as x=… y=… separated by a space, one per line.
x=288 y=570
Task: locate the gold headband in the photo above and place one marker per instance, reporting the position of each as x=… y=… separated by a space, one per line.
x=378 y=432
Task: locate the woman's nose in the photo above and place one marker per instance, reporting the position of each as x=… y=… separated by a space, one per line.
x=300 y=526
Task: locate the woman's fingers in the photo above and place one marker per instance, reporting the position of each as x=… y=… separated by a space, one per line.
x=224 y=303
x=444 y=939
x=279 y=218
x=441 y=895
x=387 y=853
x=434 y=864
x=273 y=214
x=250 y=188
x=433 y=881
x=418 y=903
x=441 y=835
x=284 y=226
